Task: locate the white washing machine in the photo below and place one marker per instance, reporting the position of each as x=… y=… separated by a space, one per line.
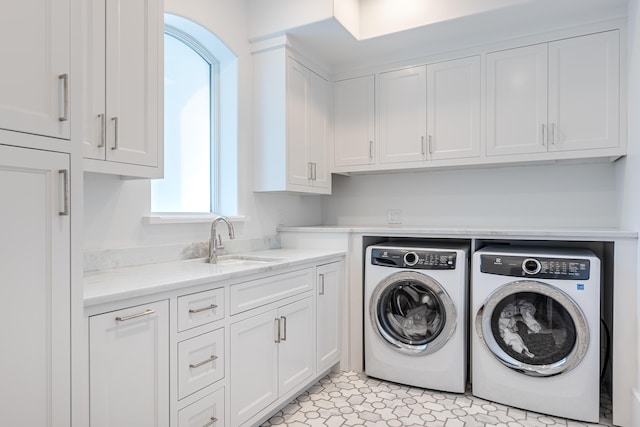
x=535 y=329
x=415 y=315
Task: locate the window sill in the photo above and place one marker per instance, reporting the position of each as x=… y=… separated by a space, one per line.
x=187 y=218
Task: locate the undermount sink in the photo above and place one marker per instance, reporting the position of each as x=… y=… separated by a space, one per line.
x=247 y=260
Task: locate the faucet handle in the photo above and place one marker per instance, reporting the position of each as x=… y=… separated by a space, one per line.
x=220 y=245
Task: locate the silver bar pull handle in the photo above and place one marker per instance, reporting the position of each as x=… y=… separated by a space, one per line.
x=65 y=97
x=284 y=327
x=321 y=287
x=429 y=147
x=310 y=171
x=422 y=145
x=553 y=134
x=314 y=171
x=199 y=310
x=211 y=422
x=544 y=134
x=103 y=129
x=197 y=365
x=65 y=192
x=134 y=316
x=277 y=325
x=371 y=149
x=115 y=133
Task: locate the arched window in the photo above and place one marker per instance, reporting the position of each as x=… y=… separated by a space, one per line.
x=194 y=132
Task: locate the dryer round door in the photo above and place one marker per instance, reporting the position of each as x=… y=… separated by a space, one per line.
x=533 y=328
x=412 y=313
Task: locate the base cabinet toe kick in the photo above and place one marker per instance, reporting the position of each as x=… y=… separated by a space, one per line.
x=217 y=354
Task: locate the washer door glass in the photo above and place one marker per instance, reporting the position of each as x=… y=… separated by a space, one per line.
x=534 y=328
x=412 y=313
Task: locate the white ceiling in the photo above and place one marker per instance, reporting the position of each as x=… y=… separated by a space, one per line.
x=336 y=47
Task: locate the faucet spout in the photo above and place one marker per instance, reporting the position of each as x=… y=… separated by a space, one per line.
x=215 y=242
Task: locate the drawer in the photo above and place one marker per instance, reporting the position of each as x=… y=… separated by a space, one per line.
x=206 y=412
x=199 y=309
x=200 y=362
x=248 y=295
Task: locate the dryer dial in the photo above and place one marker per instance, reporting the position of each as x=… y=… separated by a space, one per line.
x=531 y=266
x=411 y=258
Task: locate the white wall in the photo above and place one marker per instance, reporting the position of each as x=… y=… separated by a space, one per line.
x=114 y=208
x=523 y=196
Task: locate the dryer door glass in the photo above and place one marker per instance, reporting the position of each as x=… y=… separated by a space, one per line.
x=413 y=313
x=534 y=328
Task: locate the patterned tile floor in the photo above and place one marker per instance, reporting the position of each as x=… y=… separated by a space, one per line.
x=353 y=399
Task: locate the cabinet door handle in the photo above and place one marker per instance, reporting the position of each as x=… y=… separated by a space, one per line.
x=310 y=171
x=284 y=328
x=277 y=325
x=64 y=78
x=211 y=422
x=103 y=129
x=134 y=316
x=199 y=310
x=553 y=134
x=544 y=134
x=321 y=287
x=197 y=365
x=422 y=145
x=65 y=192
x=429 y=145
x=314 y=166
x=370 y=149
x=115 y=133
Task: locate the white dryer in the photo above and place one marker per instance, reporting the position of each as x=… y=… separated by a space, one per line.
x=415 y=315
x=535 y=329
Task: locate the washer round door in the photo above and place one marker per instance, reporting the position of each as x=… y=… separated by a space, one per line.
x=412 y=313
x=533 y=328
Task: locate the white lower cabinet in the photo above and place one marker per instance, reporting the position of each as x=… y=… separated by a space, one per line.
x=214 y=356
x=35 y=290
x=206 y=412
x=129 y=367
x=271 y=353
x=328 y=304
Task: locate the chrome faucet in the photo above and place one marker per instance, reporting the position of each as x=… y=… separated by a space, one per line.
x=215 y=242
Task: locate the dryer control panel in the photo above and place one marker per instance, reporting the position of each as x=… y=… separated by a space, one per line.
x=539 y=268
x=414 y=258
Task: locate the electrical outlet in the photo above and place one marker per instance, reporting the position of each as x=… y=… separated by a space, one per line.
x=394 y=216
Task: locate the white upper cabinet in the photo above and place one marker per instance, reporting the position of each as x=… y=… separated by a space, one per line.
x=354 y=122
x=35 y=77
x=553 y=97
x=453 y=109
x=123 y=123
x=584 y=92
x=291 y=124
x=517 y=100
x=402 y=116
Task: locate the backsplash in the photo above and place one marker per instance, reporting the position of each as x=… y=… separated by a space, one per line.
x=104 y=259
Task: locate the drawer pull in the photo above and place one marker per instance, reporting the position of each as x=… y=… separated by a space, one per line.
x=133 y=316
x=197 y=365
x=211 y=422
x=199 y=310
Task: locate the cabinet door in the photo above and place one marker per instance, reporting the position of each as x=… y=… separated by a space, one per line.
x=403 y=115
x=34 y=78
x=453 y=108
x=296 y=349
x=328 y=306
x=298 y=164
x=354 y=122
x=129 y=367
x=35 y=362
x=584 y=78
x=134 y=79
x=253 y=365
x=317 y=130
x=517 y=101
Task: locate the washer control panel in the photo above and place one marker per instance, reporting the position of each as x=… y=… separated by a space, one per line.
x=414 y=258
x=535 y=267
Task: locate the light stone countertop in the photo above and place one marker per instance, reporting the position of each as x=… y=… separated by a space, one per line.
x=105 y=286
